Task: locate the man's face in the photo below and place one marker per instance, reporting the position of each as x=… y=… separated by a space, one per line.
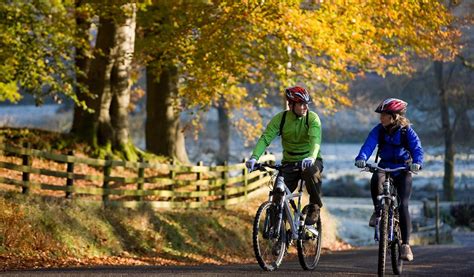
x=300 y=109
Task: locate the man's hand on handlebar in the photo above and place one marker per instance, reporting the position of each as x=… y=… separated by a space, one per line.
x=306 y=162
x=250 y=164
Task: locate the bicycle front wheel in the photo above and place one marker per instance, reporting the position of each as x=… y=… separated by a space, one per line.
x=397 y=262
x=309 y=246
x=383 y=240
x=269 y=244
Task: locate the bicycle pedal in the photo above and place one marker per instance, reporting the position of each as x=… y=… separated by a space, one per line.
x=312 y=230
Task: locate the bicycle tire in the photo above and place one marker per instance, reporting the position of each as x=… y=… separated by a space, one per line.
x=395 y=247
x=309 y=249
x=383 y=239
x=269 y=249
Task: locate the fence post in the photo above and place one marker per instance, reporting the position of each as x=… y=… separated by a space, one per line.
x=245 y=172
x=426 y=208
x=199 y=178
x=437 y=218
x=224 y=176
x=70 y=179
x=141 y=176
x=105 y=184
x=172 y=177
x=25 y=189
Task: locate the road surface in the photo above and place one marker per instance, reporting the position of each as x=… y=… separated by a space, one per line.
x=436 y=260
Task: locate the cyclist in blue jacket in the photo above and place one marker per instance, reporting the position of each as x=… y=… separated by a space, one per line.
x=398 y=145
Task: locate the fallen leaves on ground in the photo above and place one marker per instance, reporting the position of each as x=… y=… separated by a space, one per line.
x=12 y=262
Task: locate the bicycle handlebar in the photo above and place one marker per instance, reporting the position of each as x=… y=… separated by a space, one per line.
x=296 y=166
x=375 y=168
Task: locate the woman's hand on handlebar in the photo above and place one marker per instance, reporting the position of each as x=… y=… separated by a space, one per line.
x=360 y=163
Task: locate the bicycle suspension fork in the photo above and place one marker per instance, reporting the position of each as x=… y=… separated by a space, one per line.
x=386 y=199
x=278 y=200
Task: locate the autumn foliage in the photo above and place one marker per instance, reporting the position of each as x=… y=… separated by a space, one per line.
x=223 y=48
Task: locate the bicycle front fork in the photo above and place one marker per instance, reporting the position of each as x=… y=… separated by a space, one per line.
x=391 y=220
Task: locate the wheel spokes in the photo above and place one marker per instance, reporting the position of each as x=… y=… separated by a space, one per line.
x=270 y=242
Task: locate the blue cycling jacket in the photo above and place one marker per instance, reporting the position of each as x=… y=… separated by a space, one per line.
x=393 y=154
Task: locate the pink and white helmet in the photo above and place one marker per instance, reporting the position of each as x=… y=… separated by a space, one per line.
x=392 y=106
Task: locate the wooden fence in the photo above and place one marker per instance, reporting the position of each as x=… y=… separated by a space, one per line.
x=127 y=184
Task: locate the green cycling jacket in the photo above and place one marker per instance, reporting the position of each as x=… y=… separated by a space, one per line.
x=299 y=141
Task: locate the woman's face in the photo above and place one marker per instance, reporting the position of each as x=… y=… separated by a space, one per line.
x=300 y=109
x=386 y=119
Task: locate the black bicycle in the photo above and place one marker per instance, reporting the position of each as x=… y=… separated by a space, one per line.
x=387 y=226
x=279 y=222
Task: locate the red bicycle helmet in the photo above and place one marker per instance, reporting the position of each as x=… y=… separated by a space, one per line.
x=392 y=106
x=297 y=95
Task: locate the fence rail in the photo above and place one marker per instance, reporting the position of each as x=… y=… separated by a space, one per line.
x=128 y=184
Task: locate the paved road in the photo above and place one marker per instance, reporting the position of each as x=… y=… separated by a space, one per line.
x=444 y=260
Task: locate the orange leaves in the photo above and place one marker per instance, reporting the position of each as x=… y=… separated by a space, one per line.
x=19 y=235
x=221 y=45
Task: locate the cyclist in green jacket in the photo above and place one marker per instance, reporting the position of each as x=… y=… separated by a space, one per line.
x=301 y=140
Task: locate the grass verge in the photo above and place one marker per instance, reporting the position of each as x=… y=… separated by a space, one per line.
x=50 y=232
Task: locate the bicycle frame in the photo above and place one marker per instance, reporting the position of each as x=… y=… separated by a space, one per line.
x=296 y=219
x=386 y=195
x=385 y=226
x=271 y=235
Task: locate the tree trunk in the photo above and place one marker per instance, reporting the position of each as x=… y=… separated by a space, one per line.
x=163 y=133
x=120 y=80
x=224 y=130
x=86 y=124
x=80 y=121
x=108 y=79
x=449 y=152
x=99 y=83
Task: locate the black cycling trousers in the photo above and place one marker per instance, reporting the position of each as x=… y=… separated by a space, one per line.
x=312 y=177
x=403 y=183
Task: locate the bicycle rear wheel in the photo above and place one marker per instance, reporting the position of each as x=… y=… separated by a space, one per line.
x=269 y=244
x=383 y=239
x=397 y=262
x=309 y=247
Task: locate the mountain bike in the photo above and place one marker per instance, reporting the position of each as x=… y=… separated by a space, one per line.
x=387 y=226
x=279 y=223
